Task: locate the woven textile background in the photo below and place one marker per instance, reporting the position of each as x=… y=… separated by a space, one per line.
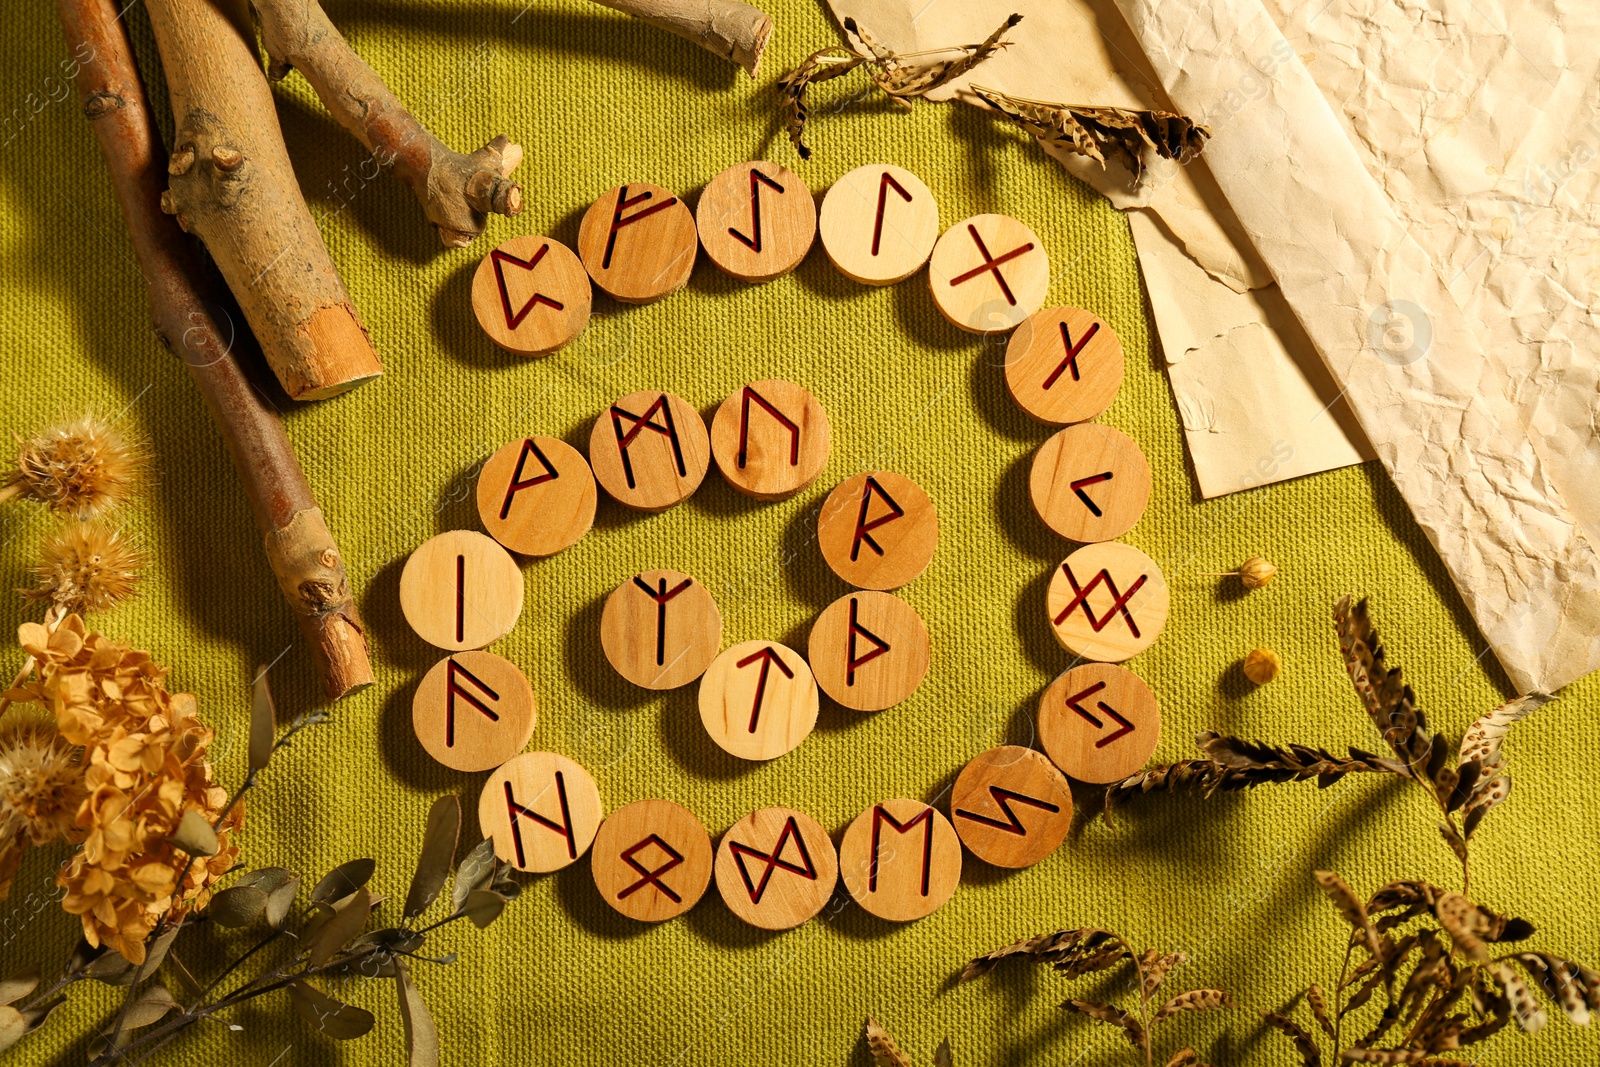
x=597 y=100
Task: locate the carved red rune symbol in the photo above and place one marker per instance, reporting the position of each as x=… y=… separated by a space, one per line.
x=661 y=596
x=1119 y=603
x=992 y=263
x=767 y=657
x=885 y=183
x=757 y=180
x=624 y=202
x=452 y=689
x=518 y=484
x=514 y=318
x=851 y=660
x=648 y=876
x=564 y=827
x=773 y=861
x=1071 y=359
x=881 y=816
x=461 y=599
x=783 y=420
x=1075 y=702
x=864 y=528
x=1003 y=798
x=666 y=428
x=1081 y=484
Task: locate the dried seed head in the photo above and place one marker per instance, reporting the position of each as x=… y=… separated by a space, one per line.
x=1262 y=665
x=1256 y=572
x=41 y=783
x=79 y=468
x=87 y=567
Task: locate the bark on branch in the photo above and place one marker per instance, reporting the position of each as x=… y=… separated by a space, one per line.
x=456 y=191
x=298 y=546
x=735 y=31
x=232 y=183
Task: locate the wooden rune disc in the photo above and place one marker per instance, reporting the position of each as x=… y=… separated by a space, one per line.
x=900 y=860
x=869 y=650
x=660 y=629
x=1011 y=807
x=758 y=700
x=1063 y=365
x=460 y=590
x=531 y=295
x=638 y=242
x=473 y=711
x=877 y=530
x=542 y=811
x=776 y=868
x=1090 y=482
x=536 y=496
x=988 y=273
x=878 y=224
x=1099 y=722
x=1107 y=602
x=651 y=860
x=756 y=221
x=650 y=450
x=770 y=439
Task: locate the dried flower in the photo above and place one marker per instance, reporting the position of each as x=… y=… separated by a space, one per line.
x=87 y=567
x=41 y=788
x=1262 y=665
x=145 y=765
x=1256 y=572
x=79 y=468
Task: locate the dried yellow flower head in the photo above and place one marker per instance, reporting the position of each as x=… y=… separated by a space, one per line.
x=41 y=788
x=1262 y=665
x=1256 y=572
x=144 y=766
x=86 y=567
x=79 y=468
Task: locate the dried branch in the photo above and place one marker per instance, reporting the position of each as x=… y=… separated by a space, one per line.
x=732 y=30
x=457 y=191
x=307 y=563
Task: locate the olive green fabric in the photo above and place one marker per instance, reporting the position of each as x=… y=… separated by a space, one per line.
x=597 y=100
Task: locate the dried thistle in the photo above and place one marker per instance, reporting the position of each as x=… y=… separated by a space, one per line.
x=86 y=567
x=1075 y=953
x=41 y=788
x=1095 y=131
x=904 y=77
x=80 y=468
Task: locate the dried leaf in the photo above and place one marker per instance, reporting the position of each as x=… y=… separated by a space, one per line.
x=885 y=1053
x=238 y=905
x=263 y=721
x=1483 y=738
x=1184 y=1057
x=18 y=1023
x=1464 y=923
x=1389 y=702
x=19 y=984
x=279 y=901
x=1078 y=952
x=1193 y=1000
x=1115 y=1016
x=484 y=907
x=902 y=79
x=475 y=871
x=1157 y=967
x=817 y=67
x=1524 y=1005
x=343 y=880
x=1301 y=761
x=151 y=1006
x=1563 y=980
x=195 y=835
x=422 y=1036
x=1319 y=1008
x=1354 y=912
x=438 y=851
x=942 y=1056
x=1304 y=1043
x=341 y=928
x=1373 y=1055
x=335 y=1018
x=1094 y=131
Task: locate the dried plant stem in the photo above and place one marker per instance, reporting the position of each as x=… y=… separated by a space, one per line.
x=298 y=545
x=457 y=191
x=735 y=31
x=232 y=184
